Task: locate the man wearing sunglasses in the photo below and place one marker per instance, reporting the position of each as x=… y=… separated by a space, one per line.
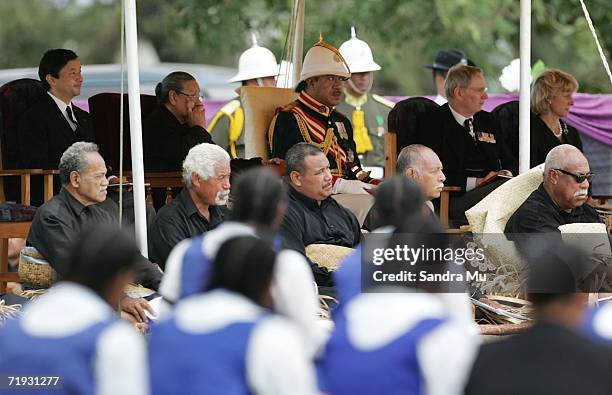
x=560 y=198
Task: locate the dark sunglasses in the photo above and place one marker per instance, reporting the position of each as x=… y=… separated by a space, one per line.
x=578 y=177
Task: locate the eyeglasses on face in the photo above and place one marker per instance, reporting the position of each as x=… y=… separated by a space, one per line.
x=334 y=78
x=197 y=96
x=578 y=177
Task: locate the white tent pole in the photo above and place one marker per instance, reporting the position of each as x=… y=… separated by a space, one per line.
x=525 y=89
x=135 y=125
x=298 y=40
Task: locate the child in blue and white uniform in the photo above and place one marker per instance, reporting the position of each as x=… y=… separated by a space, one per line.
x=229 y=340
x=72 y=332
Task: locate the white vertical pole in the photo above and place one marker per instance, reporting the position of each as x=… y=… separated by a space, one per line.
x=140 y=218
x=298 y=41
x=525 y=89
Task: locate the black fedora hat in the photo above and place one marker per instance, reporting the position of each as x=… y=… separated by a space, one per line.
x=447 y=58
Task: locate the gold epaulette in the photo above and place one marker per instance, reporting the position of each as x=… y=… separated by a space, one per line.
x=288 y=107
x=383 y=101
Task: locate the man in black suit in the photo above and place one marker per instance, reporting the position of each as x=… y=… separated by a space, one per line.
x=466 y=139
x=53 y=124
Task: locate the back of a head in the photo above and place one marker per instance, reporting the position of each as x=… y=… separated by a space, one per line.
x=52 y=62
x=172 y=82
x=554 y=270
x=244 y=265
x=100 y=254
x=398 y=198
x=257 y=195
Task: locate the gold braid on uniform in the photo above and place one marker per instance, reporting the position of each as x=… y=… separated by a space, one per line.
x=330 y=139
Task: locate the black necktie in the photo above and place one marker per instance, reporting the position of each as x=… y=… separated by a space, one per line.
x=470 y=127
x=71 y=116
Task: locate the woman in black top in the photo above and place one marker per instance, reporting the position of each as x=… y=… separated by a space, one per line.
x=551 y=99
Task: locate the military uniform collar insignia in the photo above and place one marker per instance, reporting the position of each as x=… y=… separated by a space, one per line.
x=314 y=105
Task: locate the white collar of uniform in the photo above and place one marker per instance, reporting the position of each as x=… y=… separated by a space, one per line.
x=214 y=239
x=458 y=117
x=66 y=309
x=430 y=206
x=213 y=310
x=440 y=100
x=376 y=319
x=60 y=104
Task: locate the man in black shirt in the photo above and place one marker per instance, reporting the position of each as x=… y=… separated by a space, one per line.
x=560 y=198
x=206 y=175
x=313 y=216
x=59 y=222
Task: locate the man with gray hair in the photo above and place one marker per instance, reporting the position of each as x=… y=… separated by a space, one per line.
x=560 y=199
x=420 y=163
x=206 y=175
x=465 y=139
x=59 y=222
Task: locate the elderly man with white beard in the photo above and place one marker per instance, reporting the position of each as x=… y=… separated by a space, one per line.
x=206 y=175
x=560 y=199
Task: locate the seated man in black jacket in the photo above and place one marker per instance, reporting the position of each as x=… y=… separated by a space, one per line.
x=466 y=140
x=59 y=222
x=313 y=216
x=51 y=125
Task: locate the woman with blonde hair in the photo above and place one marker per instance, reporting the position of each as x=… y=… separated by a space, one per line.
x=551 y=99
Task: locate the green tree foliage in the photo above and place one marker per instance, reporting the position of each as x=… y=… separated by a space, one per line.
x=404 y=34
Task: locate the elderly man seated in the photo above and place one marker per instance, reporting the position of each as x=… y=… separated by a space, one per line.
x=206 y=175
x=58 y=223
x=560 y=198
x=421 y=164
x=312 y=216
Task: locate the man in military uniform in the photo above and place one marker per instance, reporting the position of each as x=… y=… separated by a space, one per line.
x=368 y=111
x=256 y=67
x=445 y=59
x=312 y=117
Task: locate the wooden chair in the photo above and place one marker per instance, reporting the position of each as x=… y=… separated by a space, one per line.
x=104 y=112
x=19 y=230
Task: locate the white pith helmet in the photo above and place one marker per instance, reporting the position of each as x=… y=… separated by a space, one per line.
x=358 y=54
x=256 y=62
x=324 y=59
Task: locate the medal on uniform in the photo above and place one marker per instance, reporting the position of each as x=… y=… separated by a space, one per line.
x=341 y=130
x=380 y=129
